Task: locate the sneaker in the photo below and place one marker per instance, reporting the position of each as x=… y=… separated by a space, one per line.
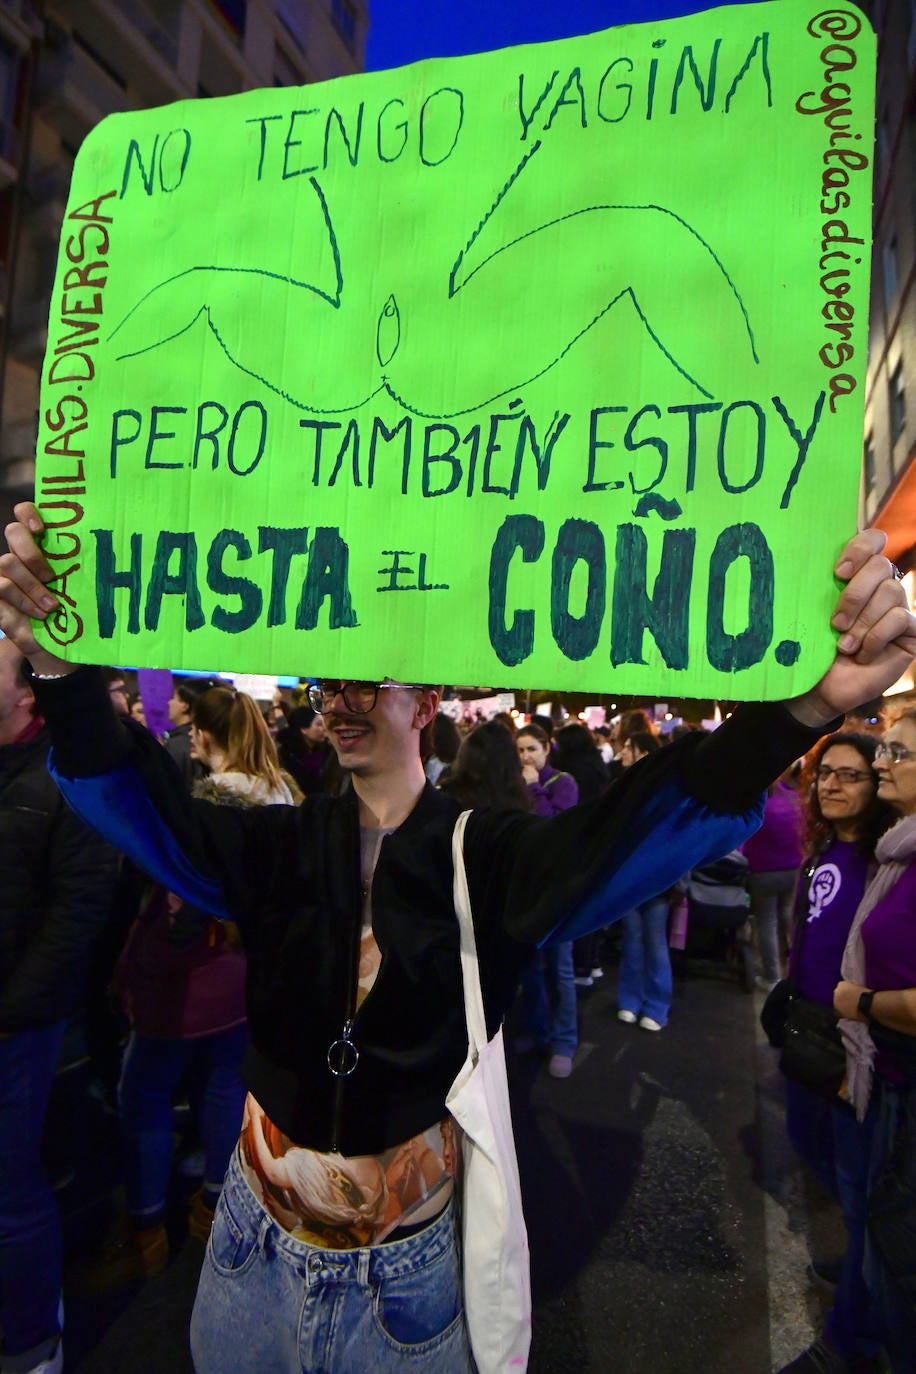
x=584 y=980
x=560 y=1065
x=627 y=1017
x=597 y=972
x=819 y=1358
x=649 y=1023
x=132 y=1255
x=824 y=1271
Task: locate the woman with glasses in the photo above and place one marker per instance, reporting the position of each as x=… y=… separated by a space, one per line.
x=876 y=1001
x=844 y=819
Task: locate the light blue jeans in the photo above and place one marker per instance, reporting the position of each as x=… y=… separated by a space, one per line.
x=149 y=1076
x=549 y=996
x=644 y=984
x=270 y=1304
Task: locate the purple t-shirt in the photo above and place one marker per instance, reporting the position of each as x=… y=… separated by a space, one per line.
x=889 y=937
x=553 y=792
x=833 y=893
x=777 y=845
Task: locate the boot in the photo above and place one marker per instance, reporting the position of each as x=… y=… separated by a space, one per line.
x=200 y=1217
x=133 y=1253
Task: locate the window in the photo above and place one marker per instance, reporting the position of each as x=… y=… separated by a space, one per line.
x=884 y=142
x=897 y=402
x=889 y=258
x=868 y=462
x=9 y=85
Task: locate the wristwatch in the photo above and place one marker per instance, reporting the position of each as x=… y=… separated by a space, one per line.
x=865 y=1001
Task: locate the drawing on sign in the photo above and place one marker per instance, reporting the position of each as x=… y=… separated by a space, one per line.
x=173 y=306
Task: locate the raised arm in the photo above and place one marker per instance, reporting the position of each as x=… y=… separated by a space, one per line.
x=119 y=779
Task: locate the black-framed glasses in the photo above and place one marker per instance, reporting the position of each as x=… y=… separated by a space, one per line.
x=358 y=697
x=893 y=752
x=844 y=775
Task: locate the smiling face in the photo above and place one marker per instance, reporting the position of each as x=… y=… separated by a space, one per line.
x=531 y=751
x=844 y=804
x=897 y=781
x=371 y=743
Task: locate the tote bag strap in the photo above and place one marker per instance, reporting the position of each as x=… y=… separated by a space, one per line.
x=470 y=973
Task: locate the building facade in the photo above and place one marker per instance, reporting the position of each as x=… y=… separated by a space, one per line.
x=65 y=65
x=889 y=452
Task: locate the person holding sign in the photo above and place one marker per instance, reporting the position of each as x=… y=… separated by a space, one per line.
x=333 y=1243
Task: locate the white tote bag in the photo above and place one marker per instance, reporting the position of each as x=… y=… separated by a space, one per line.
x=497 y=1284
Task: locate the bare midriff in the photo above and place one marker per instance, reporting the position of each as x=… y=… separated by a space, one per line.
x=343 y=1202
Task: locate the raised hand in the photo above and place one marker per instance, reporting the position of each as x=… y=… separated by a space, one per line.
x=24 y=597
x=877 y=633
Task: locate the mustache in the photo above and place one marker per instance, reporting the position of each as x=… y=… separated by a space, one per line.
x=334 y=719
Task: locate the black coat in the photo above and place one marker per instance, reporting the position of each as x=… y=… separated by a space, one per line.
x=290 y=877
x=57 y=882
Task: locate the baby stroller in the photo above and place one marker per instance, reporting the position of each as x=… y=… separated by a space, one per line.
x=719 y=936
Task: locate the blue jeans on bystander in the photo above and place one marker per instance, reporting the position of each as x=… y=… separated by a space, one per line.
x=549 y=995
x=30 y=1241
x=149 y=1076
x=644 y=984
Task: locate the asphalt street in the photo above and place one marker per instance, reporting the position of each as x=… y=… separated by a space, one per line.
x=670 y=1225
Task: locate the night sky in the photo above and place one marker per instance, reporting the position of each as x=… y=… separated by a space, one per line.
x=403 y=31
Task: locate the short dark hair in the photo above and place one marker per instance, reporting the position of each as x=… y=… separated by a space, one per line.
x=189 y=689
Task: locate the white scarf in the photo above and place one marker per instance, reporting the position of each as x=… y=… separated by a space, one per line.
x=895 y=851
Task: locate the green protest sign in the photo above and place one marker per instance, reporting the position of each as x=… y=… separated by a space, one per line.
x=538 y=367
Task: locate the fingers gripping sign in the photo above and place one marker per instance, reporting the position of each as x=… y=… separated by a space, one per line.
x=877 y=632
x=24 y=595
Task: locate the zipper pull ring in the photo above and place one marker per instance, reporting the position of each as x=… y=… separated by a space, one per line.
x=343 y=1056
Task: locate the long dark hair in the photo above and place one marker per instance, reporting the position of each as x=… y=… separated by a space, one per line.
x=487 y=771
x=446 y=739
x=875 y=819
x=577 y=754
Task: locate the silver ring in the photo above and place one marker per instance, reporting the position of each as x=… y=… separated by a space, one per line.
x=343 y=1057
x=898 y=575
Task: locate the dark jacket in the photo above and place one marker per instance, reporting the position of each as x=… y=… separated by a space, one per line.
x=290 y=878
x=58 y=878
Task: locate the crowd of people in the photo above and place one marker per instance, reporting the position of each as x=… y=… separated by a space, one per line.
x=292 y=952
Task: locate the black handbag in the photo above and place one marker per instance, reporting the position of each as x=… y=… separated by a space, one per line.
x=813 y=1052
x=775 y=1013
x=806 y=1032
